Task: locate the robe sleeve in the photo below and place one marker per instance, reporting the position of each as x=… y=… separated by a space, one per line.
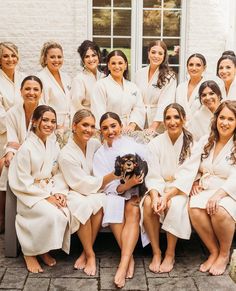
x=166 y=97
x=2 y=116
x=154 y=180
x=138 y=112
x=12 y=135
x=22 y=182
x=77 y=94
x=230 y=186
x=99 y=101
x=77 y=179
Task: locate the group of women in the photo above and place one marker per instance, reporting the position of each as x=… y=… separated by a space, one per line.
x=74 y=189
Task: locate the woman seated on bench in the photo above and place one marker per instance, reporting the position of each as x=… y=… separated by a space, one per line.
x=85 y=200
x=34 y=177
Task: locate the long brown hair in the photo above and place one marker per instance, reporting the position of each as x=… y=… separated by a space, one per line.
x=214 y=134
x=188 y=138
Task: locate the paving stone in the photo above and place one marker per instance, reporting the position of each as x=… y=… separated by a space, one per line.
x=2 y=271
x=68 y=284
x=63 y=269
x=138 y=282
x=14 y=278
x=169 y=284
x=150 y=274
x=41 y=284
x=216 y=283
x=17 y=262
x=113 y=262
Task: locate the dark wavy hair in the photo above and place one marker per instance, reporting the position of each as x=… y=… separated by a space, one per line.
x=31 y=78
x=225 y=57
x=188 y=138
x=83 y=48
x=112 y=115
x=39 y=112
x=214 y=134
x=120 y=54
x=199 y=56
x=213 y=86
x=165 y=72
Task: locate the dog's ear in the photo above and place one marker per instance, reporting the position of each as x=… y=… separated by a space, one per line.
x=118 y=166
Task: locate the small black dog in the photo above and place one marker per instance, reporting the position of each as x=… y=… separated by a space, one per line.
x=129 y=165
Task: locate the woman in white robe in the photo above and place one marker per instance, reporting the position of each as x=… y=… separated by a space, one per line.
x=17 y=120
x=157 y=83
x=187 y=91
x=84 y=82
x=116 y=94
x=210 y=98
x=121 y=211
x=10 y=81
x=42 y=220
x=166 y=154
x=56 y=86
x=213 y=195
x=226 y=70
x=85 y=201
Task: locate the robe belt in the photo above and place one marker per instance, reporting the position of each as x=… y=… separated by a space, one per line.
x=46 y=180
x=170 y=179
x=147 y=106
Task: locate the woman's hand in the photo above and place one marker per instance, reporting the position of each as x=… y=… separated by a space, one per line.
x=134 y=180
x=159 y=204
x=196 y=188
x=213 y=202
x=129 y=128
x=61 y=198
x=9 y=156
x=53 y=200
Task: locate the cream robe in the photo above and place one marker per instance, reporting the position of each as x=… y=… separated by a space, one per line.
x=217 y=174
x=34 y=176
x=155 y=99
x=103 y=164
x=199 y=124
x=124 y=100
x=163 y=163
x=84 y=198
x=9 y=96
x=16 y=132
x=232 y=91
x=54 y=96
x=81 y=89
x=193 y=103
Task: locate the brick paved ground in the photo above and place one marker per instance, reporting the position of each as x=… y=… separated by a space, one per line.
x=185 y=276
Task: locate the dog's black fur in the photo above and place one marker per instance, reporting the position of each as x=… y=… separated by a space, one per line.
x=129 y=165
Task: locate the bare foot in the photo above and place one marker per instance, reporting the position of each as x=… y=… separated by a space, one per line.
x=205 y=267
x=130 y=271
x=32 y=264
x=167 y=264
x=90 y=267
x=119 y=279
x=48 y=260
x=155 y=263
x=80 y=263
x=219 y=266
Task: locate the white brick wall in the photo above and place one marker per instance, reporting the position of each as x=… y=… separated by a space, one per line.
x=29 y=23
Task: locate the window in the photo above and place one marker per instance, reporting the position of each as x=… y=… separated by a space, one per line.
x=130 y=25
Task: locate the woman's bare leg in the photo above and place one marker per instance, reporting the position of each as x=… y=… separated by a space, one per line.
x=152 y=227
x=203 y=226
x=32 y=264
x=129 y=240
x=224 y=227
x=169 y=260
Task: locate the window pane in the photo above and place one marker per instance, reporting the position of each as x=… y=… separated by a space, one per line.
x=151 y=3
x=172 y=3
x=151 y=23
x=171 y=23
x=122 y=3
x=105 y=47
x=122 y=22
x=101 y=22
x=101 y=3
x=123 y=44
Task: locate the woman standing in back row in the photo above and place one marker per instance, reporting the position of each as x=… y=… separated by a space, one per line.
x=157 y=83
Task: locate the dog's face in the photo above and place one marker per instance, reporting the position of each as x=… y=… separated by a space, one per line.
x=128 y=163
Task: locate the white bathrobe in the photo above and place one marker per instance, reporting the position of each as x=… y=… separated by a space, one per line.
x=163 y=167
x=232 y=91
x=9 y=96
x=155 y=99
x=193 y=103
x=103 y=164
x=81 y=89
x=84 y=198
x=124 y=100
x=214 y=175
x=34 y=176
x=200 y=122
x=54 y=96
